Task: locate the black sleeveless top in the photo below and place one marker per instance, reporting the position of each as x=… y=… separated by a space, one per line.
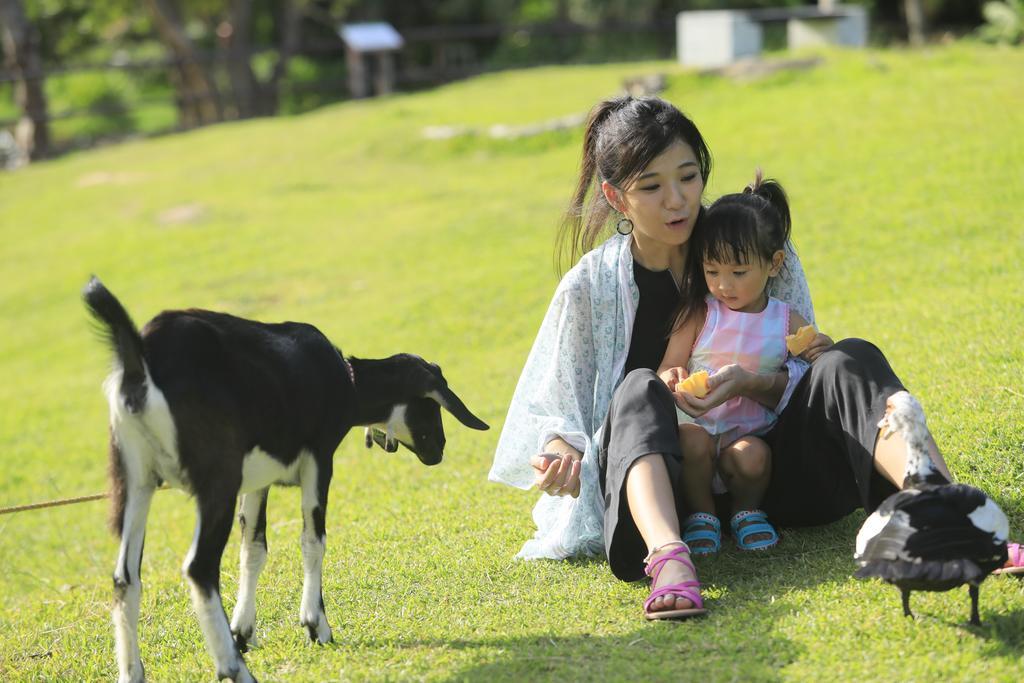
x=659 y=297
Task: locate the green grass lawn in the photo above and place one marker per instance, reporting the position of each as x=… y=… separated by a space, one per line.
x=905 y=171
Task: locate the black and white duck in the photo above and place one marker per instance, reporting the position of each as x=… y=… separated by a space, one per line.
x=933 y=535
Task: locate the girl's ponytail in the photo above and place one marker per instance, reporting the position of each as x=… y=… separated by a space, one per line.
x=771 y=191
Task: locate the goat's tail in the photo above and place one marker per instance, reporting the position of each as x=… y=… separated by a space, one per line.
x=124 y=338
x=118 y=489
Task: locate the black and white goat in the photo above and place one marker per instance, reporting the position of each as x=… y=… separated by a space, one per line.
x=221 y=406
x=932 y=535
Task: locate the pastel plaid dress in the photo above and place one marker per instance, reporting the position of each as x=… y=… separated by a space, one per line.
x=754 y=341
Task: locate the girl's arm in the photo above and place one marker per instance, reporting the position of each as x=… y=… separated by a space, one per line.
x=673 y=366
x=821 y=342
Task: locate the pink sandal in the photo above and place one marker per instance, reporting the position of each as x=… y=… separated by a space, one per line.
x=1015 y=563
x=690 y=590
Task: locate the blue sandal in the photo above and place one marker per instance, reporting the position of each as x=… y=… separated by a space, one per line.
x=695 y=531
x=753 y=522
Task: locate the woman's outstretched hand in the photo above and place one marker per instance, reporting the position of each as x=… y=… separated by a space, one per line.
x=557 y=474
x=729 y=382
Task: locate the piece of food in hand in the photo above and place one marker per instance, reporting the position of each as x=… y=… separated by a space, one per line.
x=695 y=385
x=798 y=342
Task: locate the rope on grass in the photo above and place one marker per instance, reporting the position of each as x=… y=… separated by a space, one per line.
x=52 y=503
x=57 y=503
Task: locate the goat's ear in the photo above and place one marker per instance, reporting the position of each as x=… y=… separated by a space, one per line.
x=433 y=385
x=454 y=405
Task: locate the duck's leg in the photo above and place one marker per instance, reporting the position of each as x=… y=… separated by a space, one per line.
x=975 y=619
x=906 y=603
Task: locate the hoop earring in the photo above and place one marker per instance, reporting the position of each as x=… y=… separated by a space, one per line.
x=618 y=226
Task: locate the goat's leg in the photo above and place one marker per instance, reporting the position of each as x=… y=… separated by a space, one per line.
x=315 y=479
x=252 y=520
x=128 y=580
x=202 y=569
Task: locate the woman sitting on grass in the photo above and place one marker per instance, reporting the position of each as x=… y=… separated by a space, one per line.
x=741 y=246
x=592 y=425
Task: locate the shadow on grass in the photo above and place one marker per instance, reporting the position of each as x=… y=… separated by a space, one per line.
x=823 y=554
x=803 y=559
x=685 y=650
x=656 y=651
x=1005 y=633
x=1002 y=633
x=747 y=595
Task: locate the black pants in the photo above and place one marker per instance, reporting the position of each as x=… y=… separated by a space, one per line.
x=822 y=447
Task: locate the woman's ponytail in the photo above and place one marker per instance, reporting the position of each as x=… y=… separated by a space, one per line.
x=588 y=165
x=573 y=236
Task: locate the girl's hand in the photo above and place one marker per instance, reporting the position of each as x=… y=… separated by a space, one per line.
x=672 y=377
x=557 y=474
x=821 y=343
x=729 y=382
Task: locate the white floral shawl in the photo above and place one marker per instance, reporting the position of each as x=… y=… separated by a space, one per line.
x=576 y=362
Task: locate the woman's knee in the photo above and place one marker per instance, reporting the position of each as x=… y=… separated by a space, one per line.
x=850 y=353
x=642 y=391
x=637 y=381
x=853 y=360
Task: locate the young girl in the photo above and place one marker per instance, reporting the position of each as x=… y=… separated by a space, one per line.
x=741 y=245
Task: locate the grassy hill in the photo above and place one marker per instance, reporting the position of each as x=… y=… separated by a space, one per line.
x=905 y=175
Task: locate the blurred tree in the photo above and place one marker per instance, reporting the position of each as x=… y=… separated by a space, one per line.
x=196 y=91
x=1004 y=22
x=252 y=97
x=235 y=29
x=22 y=59
x=236 y=33
x=914 y=11
x=252 y=23
x=290 y=21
